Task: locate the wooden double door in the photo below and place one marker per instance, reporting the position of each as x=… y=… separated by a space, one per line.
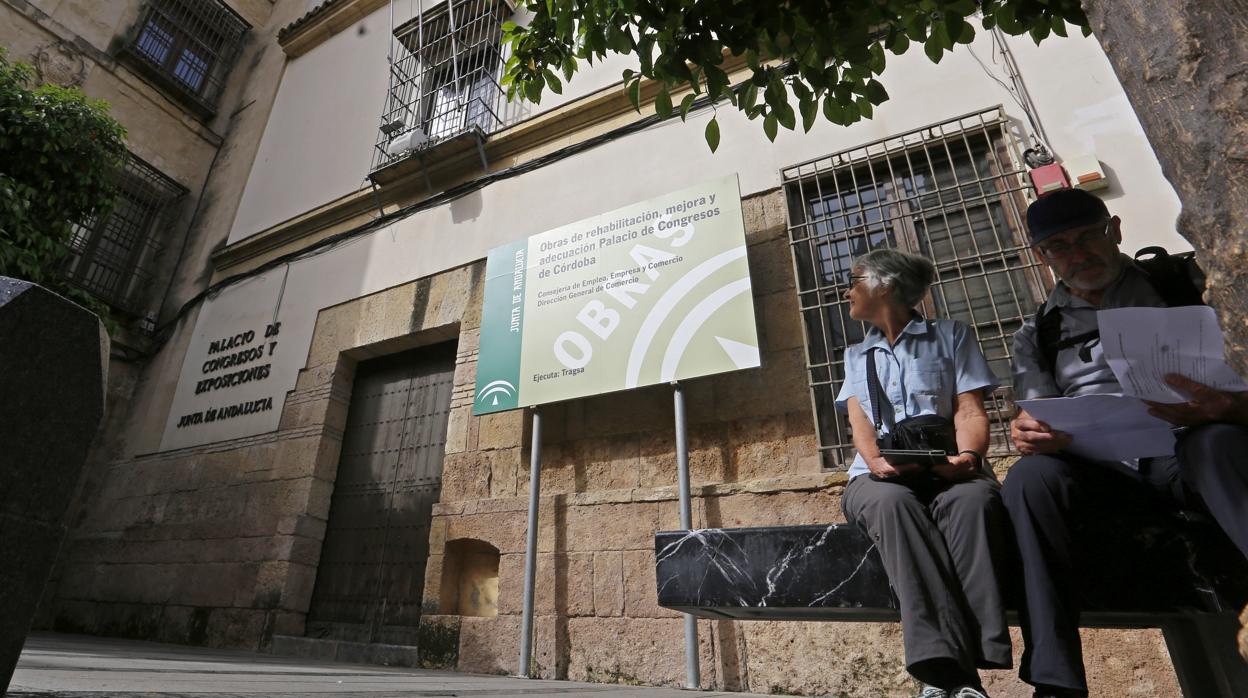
x=370 y=578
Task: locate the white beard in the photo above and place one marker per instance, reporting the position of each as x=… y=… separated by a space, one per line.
x=1109 y=272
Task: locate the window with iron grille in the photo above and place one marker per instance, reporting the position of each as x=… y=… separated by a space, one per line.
x=952 y=192
x=189 y=46
x=112 y=256
x=443 y=78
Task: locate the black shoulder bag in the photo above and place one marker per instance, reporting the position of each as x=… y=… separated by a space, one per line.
x=924 y=433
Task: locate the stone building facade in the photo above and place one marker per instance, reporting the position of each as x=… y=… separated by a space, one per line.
x=226 y=538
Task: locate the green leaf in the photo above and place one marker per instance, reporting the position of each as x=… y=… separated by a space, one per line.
x=832 y=110
x=940 y=33
x=786 y=116
x=916 y=28
x=663 y=103
x=953 y=27
x=751 y=60
x=877 y=61
x=564 y=24
x=864 y=107
x=712 y=133
x=900 y=43
x=552 y=81
x=634 y=94
x=619 y=40
x=769 y=126
x=1039 y=33
x=966 y=34
x=686 y=104
x=1007 y=19
x=533 y=89
x=934 y=50
x=810 y=112
x=716 y=81
x=749 y=96
x=876 y=93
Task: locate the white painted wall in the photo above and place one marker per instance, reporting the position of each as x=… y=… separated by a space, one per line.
x=1080 y=102
x=318 y=144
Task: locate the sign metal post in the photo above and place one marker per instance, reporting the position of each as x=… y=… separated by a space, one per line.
x=693 y=678
x=530 y=546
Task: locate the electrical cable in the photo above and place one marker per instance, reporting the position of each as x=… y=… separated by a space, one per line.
x=1017 y=90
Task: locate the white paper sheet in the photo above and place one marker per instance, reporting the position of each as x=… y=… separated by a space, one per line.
x=1105 y=427
x=1142 y=345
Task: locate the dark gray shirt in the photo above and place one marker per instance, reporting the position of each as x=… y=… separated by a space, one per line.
x=1071 y=374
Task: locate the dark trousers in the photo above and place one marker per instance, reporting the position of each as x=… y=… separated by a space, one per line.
x=941 y=544
x=1046 y=497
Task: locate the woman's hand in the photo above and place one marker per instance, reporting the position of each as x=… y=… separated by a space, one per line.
x=963 y=466
x=884 y=470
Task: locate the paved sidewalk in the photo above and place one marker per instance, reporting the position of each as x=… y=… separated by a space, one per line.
x=79 y=666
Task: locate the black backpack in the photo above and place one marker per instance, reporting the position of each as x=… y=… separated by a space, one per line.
x=1176 y=278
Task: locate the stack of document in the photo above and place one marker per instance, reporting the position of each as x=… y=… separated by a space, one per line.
x=1105 y=427
x=1141 y=345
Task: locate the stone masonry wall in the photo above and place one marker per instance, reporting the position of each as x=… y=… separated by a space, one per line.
x=219 y=545
x=608 y=484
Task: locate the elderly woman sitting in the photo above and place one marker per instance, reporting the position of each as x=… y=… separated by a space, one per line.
x=940 y=526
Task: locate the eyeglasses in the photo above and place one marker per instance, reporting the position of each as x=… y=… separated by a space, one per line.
x=854 y=278
x=1061 y=249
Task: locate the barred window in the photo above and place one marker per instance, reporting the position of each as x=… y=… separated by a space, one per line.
x=444 y=78
x=952 y=192
x=112 y=256
x=189 y=46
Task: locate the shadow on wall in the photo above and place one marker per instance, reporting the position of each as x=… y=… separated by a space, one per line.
x=470 y=579
x=466 y=207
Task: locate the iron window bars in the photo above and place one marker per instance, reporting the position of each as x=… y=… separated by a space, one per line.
x=113 y=256
x=189 y=46
x=952 y=191
x=444 y=78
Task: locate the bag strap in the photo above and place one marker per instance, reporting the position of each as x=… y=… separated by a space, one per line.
x=875 y=392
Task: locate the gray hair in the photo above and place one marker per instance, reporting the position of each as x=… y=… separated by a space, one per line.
x=908 y=275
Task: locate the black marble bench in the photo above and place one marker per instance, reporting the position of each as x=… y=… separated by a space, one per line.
x=1179 y=574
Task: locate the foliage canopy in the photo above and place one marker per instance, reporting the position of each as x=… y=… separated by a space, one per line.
x=59 y=155
x=820 y=55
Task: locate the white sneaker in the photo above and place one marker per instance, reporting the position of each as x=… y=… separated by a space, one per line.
x=933 y=692
x=968 y=692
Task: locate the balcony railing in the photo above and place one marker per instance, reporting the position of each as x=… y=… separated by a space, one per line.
x=444 y=79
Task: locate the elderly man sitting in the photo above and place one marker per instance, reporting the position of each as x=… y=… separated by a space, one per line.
x=1048 y=491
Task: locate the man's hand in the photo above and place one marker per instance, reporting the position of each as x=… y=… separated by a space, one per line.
x=884 y=470
x=963 y=466
x=1032 y=436
x=1204 y=404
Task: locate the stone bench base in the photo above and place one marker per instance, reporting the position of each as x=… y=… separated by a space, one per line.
x=833 y=573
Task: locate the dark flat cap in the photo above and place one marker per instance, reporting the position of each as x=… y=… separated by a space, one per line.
x=1064 y=209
